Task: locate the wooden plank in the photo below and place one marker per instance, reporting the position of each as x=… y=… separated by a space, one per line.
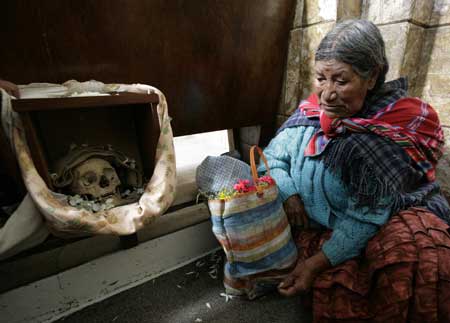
x=115 y=100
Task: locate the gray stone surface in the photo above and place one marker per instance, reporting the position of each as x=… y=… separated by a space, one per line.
x=316 y=11
x=188 y=295
x=311 y=38
x=348 y=9
x=443 y=168
x=411 y=57
x=440 y=12
x=385 y=11
x=289 y=97
x=395 y=38
x=422 y=11
x=298 y=18
x=435 y=71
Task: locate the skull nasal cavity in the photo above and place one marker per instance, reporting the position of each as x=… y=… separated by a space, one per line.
x=104 y=182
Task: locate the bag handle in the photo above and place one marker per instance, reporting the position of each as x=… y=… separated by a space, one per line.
x=253 y=163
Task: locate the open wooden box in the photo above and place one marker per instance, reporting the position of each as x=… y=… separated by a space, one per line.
x=126 y=121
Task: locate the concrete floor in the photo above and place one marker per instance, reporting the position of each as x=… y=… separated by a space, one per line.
x=190 y=294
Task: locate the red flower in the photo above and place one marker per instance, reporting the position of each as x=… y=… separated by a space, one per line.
x=243 y=186
x=266 y=179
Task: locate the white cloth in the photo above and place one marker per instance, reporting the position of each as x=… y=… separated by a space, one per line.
x=23 y=230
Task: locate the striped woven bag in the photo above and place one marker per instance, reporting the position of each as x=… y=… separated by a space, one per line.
x=255 y=234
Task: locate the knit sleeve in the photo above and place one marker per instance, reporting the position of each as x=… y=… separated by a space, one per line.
x=279 y=156
x=348 y=239
x=352 y=228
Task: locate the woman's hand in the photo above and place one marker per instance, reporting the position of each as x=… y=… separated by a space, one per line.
x=300 y=280
x=295 y=211
x=10 y=88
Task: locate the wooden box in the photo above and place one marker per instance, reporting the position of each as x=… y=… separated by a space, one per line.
x=126 y=121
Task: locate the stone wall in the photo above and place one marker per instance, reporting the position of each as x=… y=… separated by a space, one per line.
x=313 y=19
x=417 y=36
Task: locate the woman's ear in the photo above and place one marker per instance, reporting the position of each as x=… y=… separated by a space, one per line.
x=373 y=78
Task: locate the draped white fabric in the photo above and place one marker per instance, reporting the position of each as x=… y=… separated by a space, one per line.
x=26 y=227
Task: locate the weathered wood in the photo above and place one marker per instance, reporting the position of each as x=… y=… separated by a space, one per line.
x=219 y=62
x=46 y=104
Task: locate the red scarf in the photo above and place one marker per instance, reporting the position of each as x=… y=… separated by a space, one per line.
x=409 y=122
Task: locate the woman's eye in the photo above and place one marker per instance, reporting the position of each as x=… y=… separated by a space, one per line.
x=341 y=82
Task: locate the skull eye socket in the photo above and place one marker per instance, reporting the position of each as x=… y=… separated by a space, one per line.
x=109 y=173
x=89 y=178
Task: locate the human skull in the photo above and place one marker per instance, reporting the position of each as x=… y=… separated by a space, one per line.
x=96 y=178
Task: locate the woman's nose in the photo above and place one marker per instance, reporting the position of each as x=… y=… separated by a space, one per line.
x=329 y=93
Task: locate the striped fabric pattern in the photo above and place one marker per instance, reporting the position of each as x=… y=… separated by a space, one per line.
x=256 y=285
x=409 y=122
x=254 y=232
x=385 y=150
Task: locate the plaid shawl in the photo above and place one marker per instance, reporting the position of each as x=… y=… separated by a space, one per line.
x=388 y=149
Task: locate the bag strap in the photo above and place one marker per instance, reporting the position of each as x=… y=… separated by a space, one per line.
x=253 y=163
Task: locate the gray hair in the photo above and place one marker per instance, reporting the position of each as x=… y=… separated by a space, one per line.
x=358 y=43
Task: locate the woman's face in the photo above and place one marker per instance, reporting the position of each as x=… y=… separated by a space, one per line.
x=340 y=90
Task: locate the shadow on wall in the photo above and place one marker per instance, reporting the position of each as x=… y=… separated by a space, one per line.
x=443 y=167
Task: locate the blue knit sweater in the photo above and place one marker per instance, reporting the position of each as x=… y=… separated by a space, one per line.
x=325 y=197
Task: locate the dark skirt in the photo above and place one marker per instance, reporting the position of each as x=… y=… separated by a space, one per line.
x=403 y=275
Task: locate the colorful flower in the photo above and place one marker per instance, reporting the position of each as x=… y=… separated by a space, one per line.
x=265 y=180
x=225 y=194
x=243 y=186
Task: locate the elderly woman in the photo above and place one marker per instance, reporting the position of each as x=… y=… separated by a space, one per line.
x=358 y=157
